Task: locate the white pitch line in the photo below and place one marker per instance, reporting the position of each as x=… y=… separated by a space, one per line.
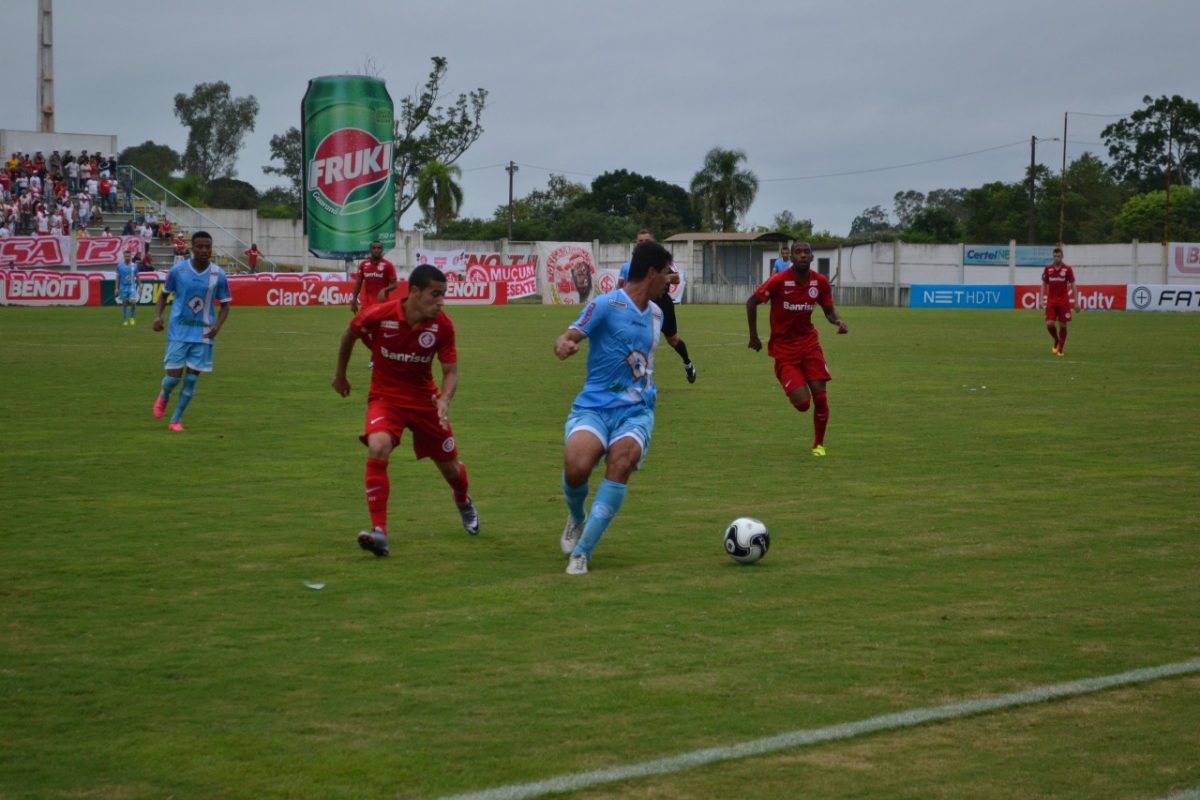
x=846 y=730
x=1191 y=794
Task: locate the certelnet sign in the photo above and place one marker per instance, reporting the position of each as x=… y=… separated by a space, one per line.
x=956 y=295
x=1159 y=297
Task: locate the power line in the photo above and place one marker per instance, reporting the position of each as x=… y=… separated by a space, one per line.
x=894 y=166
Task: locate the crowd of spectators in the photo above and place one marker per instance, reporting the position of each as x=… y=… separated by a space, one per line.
x=66 y=194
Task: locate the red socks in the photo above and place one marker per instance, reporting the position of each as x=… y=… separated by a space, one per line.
x=820 y=416
x=459 y=486
x=1062 y=337
x=378 y=488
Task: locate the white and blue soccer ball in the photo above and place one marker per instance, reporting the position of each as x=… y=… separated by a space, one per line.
x=747 y=540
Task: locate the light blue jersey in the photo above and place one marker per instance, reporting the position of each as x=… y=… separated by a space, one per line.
x=126 y=276
x=193 y=311
x=620 y=366
x=625 y=272
x=781 y=265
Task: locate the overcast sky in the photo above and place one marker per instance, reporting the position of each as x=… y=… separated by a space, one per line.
x=810 y=90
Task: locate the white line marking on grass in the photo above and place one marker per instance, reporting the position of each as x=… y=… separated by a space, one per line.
x=1191 y=794
x=847 y=730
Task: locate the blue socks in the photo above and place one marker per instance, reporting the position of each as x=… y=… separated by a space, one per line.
x=609 y=498
x=168 y=385
x=185 y=395
x=574 y=495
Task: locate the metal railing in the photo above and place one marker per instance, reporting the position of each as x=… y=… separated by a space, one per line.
x=227 y=246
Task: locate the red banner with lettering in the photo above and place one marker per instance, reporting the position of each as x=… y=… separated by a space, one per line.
x=25 y=252
x=1089 y=297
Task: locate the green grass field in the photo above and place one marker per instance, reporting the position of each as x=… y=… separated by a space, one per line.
x=990 y=518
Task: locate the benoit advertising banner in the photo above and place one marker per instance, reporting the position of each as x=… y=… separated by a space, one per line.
x=47 y=287
x=27 y=252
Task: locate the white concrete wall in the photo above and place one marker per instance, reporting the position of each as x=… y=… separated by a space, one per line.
x=32 y=141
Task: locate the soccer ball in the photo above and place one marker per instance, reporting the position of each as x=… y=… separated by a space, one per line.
x=747 y=540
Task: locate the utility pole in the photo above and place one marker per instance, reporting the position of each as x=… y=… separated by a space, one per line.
x=511 y=170
x=45 y=89
x=1031 y=238
x=1170 y=166
x=1033 y=150
x=1062 y=184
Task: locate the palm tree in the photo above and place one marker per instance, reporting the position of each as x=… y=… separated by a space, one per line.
x=722 y=191
x=437 y=193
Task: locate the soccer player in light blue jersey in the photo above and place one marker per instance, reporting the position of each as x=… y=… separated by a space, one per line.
x=199 y=287
x=614 y=413
x=127 y=289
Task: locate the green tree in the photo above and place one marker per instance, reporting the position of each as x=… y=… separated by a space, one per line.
x=934 y=225
x=217 y=123
x=288 y=147
x=906 y=206
x=996 y=212
x=276 y=203
x=232 y=193
x=158 y=161
x=426 y=131
x=648 y=202
x=1143 y=217
x=586 y=224
x=872 y=222
x=1093 y=199
x=786 y=222
x=722 y=190
x=438 y=195
x=1138 y=144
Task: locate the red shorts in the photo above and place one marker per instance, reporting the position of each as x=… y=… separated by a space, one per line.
x=1058 y=312
x=794 y=372
x=429 y=438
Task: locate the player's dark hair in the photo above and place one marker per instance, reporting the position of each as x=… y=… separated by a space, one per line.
x=1056 y=250
x=425 y=274
x=201 y=235
x=647 y=256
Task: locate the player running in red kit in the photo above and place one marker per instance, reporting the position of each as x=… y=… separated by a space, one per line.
x=376 y=277
x=406 y=334
x=795 y=345
x=1058 y=292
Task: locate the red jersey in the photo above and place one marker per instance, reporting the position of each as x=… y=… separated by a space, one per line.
x=375 y=278
x=792 y=304
x=403 y=354
x=1056 y=280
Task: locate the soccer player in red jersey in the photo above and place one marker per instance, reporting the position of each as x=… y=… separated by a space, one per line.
x=375 y=278
x=406 y=334
x=1058 y=293
x=795 y=345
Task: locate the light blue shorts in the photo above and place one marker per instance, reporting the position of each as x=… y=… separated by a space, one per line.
x=130 y=293
x=193 y=355
x=610 y=424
